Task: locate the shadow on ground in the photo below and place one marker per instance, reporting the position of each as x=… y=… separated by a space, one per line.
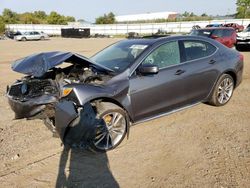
x=84 y=169
x=245 y=48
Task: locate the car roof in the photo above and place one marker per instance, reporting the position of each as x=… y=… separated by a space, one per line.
x=215 y=28
x=151 y=41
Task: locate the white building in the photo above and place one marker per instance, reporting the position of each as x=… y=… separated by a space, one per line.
x=145 y=16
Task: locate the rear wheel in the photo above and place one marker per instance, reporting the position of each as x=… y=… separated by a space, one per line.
x=23 y=39
x=223 y=91
x=112 y=132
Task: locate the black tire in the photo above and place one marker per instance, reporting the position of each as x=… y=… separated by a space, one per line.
x=106 y=110
x=220 y=95
x=42 y=38
x=23 y=39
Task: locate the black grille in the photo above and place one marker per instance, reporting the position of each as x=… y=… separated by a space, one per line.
x=15 y=90
x=33 y=88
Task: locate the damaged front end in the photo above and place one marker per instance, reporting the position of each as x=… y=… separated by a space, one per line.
x=43 y=93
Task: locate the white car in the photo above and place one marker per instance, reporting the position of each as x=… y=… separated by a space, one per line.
x=32 y=35
x=243 y=38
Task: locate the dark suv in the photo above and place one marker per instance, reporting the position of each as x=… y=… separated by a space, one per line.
x=226 y=36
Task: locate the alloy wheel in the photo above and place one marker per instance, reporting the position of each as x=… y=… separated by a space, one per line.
x=112 y=132
x=225 y=90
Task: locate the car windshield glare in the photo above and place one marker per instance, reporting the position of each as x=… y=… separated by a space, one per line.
x=120 y=56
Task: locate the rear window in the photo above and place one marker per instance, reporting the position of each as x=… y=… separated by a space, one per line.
x=216 y=32
x=223 y=32
x=198 y=49
x=204 y=33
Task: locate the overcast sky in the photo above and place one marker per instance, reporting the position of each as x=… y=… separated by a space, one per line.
x=91 y=9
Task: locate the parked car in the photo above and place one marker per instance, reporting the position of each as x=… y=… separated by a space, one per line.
x=214 y=25
x=196 y=27
x=243 y=38
x=237 y=27
x=94 y=101
x=224 y=35
x=133 y=35
x=32 y=35
x=12 y=34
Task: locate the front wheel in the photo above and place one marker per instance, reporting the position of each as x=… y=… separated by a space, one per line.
x=112 y=132
x=23 y=39
x=223 y=91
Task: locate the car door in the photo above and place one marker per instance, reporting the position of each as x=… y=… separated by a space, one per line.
x=36 y=36
x=187 y=73
x=28 y=35
x=200 y=63
x=155 y=94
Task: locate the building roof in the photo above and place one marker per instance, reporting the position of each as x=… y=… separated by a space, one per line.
x=145 y=16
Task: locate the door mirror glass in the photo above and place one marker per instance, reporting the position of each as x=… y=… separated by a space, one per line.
x=145 y=69
x=214 y=36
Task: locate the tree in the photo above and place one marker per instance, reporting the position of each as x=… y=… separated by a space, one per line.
x=192 y=14
x=29 y=18
x=186 y=14
x=40 y=15
x=204 y=15
x=2 y=25
x=70 y=19
x=55 y=18
x=9 y=16
x=243 y=9
x=106 y=19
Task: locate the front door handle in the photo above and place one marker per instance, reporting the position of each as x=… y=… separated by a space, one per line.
x=212 y=61
x=179 y=72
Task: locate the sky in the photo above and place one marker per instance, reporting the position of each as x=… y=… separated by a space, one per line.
x=89 y=10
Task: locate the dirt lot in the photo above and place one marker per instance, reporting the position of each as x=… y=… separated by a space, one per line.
x=202 y=146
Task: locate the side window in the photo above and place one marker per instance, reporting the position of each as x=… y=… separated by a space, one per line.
x=166 y=55
x=198 y=49
x=218 y=32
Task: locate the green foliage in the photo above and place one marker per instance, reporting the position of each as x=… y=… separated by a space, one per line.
x=37 y=17
x=243 y=9
x=40 y=15
x=9 y=16
x=204 y=15
x=106 y=19
x=55 y=18
x=29 y=18
x=2 y=25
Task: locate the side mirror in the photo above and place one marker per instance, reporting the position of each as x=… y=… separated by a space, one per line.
x=148 y=69
x=214 y=36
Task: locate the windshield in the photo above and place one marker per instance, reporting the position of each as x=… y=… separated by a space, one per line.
x=247 y=29
x=118 y=57
x=204 y=33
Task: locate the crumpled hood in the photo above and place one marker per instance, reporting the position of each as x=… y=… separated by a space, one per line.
x=38 y=64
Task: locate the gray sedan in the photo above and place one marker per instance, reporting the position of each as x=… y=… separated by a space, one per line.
x=94 y=101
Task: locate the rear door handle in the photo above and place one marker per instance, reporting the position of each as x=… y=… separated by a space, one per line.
x=179 y=72
x=212 y=61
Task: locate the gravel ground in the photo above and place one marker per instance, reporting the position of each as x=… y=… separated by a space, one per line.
x=202 y=146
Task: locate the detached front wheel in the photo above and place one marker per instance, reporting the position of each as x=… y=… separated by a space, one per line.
x=110 y=134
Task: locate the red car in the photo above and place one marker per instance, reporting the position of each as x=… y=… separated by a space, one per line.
x=237 y=27
x=224 y=35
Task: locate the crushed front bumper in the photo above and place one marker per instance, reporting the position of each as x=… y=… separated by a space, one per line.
x=31 y=107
